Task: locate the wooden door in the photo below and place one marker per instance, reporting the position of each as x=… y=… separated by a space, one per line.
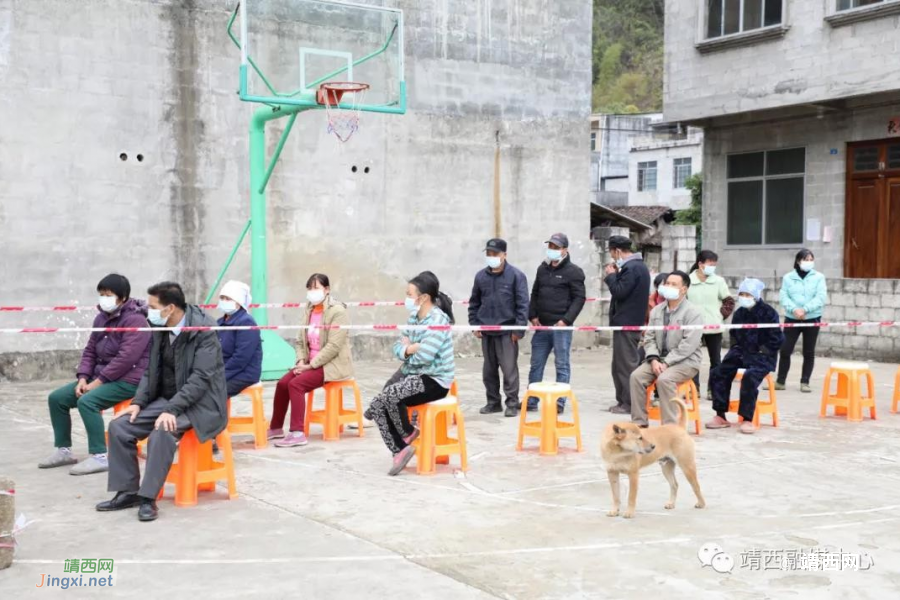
x=872 y=217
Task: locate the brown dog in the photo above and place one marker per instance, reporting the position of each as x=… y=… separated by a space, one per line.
x=627 y=448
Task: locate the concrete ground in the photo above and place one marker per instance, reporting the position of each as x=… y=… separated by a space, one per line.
x=325 y=521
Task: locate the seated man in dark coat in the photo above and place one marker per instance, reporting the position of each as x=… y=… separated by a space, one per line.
x=183 y=388
x=754 y=350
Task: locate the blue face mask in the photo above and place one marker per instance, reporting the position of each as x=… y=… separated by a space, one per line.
x=620 y=262
x=493 y=262
x=554 y=255
x=745 y=302
x=154 y=315
x=709 y=270
x=411 y=305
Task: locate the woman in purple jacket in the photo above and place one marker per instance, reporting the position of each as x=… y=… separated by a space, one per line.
x=111 y=367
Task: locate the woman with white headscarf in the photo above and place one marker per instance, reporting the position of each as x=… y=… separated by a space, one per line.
x=241 y=349
x=754 y=350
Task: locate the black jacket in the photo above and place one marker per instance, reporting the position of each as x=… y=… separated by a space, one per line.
x=756 y=347
x=630 y=291
x=499 y=299
x=199 y=377
x=558 y=293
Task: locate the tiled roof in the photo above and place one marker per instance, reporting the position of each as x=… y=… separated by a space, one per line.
x=643 y=214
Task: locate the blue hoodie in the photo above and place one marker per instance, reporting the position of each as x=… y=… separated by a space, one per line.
x=241 y=350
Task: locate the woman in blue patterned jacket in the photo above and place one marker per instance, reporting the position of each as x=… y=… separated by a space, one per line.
x=427 y=371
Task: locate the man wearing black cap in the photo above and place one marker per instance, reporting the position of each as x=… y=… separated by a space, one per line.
x=628 y=281
x=499 y=297
x=557 y=298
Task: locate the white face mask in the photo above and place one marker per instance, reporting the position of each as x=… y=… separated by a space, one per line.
x=107 y=303
x=669 y=293
x=154 y=315
x=709 y=270
x=746 y=302
x=493 y=262
x=229 y=307
x=315 y=297
x=807 y=265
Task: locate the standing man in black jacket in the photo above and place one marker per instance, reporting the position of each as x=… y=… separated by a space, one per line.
x=628 y=281
x=499 y=297
x=557 y=298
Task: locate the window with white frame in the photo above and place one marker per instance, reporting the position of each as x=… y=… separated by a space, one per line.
x=765 y=197
x=681 y=170
x=647 y=176
x=593 y=141
x=727 y=17
x=848 y=4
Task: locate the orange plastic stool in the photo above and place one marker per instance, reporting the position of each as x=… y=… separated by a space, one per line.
x=848 y=400
x=334 y=416
x=196 y=469
x=896 y=399
x=763 y=407
x=688 y=392
x=434 y=444
x=254 y=424
x=549 y=429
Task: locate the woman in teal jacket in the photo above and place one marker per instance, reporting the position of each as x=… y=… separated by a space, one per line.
x=803 y=297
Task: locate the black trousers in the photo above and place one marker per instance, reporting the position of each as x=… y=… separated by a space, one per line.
x=389 y=408
x=810 y=336
x=713 y=343
x=721 y=378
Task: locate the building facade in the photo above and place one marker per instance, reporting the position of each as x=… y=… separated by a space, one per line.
x=800 y=108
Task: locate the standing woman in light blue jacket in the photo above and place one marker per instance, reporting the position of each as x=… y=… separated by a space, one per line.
x=803 y=297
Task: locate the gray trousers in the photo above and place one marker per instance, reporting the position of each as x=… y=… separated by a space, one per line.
x=625 y=359
x=666 y=385
x=124 y=472
x=500 y=352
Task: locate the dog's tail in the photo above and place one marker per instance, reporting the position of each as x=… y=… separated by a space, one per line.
x=682 y=415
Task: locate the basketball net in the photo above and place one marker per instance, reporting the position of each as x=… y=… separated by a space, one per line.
x=343 y=122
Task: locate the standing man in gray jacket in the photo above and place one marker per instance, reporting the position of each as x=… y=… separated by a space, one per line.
x=673 y=356
x=184 y=388
x=499 y=297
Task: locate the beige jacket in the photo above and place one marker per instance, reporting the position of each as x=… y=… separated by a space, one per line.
x=683 y=345
x=334 y=353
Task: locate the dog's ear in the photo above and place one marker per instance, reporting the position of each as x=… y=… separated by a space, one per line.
x=617 y=430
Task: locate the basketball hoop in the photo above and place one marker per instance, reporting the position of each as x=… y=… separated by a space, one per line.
x=343 y=122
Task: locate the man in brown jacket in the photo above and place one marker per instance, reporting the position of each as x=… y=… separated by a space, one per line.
x=673 y=356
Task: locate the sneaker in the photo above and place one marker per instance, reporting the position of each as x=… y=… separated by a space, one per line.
x=92 y=464
x=718 y=423
x=654 y=403
x=804 y=387
x=412 y=437
x=490 y=409
x=560 y=409
x=367 y=424
x=620 y=410
x=511 y=411
x=779 y=385
x=747 y=427
x=401 y=459
x=294 y=438
x=60 y=458
x=272 y=434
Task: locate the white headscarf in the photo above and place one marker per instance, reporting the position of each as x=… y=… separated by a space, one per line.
x=237 y=291
x=754 y=287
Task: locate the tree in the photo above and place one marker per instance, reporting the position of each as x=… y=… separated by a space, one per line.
x=694 y=214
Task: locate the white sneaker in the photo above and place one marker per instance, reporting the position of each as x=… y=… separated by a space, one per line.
x=60 y=458
x=90 y=465
x=366 y=424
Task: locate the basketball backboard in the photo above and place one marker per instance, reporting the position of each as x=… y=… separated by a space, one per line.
x=290 y=47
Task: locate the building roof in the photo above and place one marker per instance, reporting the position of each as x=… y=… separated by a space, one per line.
x=604 y=215
x=644 y=214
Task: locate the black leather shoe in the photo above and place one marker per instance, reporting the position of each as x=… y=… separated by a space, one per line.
x=148 y=510
x=620 y=410
x=511 y=411
x=120 y=501
x=490 y=409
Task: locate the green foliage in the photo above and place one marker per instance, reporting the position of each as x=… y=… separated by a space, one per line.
x=628 y=55
x=694 y=214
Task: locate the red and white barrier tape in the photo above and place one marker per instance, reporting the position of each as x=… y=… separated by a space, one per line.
x=461 y=328
x=75 y=308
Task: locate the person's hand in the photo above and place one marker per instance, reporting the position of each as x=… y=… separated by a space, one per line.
x=536 y=322
x=610 y=269
x=300 y=368
x=799 y=313
x=93 y=386
x=166 y=422
x=80 y=387
x=412 y=349
x=515 y=338
x=561 y=323
x=131 y=412
x=478 y=334
x=657 y=367
x=404 y=340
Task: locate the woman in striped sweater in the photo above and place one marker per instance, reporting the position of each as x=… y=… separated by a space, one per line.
x=427 y=371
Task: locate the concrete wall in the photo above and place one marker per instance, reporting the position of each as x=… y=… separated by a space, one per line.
x=664 y=153
x=84 y=82
x=823 y=193
x=812 y=62
x=850 y=300
x=616 y=134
